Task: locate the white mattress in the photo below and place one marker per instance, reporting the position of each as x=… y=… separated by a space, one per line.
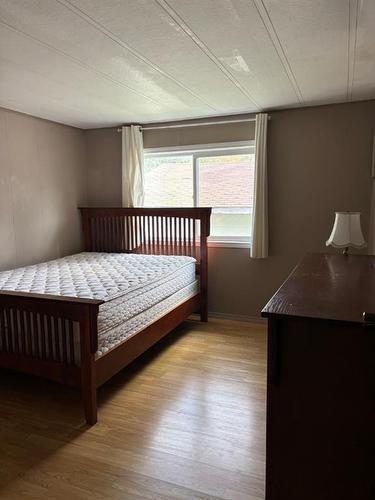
x=123 y=331
x=136 y=289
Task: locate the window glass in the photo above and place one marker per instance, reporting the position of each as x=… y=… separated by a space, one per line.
x=226 y=184
x=222 y=180
x=169 y=181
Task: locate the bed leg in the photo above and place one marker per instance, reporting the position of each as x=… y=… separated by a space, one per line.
x=90 y=404
x=88 y=389
x=204 y=313
x=89 y=345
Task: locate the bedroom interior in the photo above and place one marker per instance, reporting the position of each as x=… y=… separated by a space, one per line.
x=187 y=288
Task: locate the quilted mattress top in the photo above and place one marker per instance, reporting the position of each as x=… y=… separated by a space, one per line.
x=93 y=275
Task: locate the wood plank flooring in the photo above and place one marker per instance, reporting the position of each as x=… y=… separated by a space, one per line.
x=185 y=421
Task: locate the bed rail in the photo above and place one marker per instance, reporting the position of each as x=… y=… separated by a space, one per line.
x=157 y=231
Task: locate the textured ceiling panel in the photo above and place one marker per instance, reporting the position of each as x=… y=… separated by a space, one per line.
x=314 y=37
x=146 y=28
x=92 y=63
x=238 y=38
x=61 y=28
x=65 y=80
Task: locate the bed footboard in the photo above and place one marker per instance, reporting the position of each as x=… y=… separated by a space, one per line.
x=52 y=337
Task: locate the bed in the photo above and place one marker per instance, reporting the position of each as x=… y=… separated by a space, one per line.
x=80 y=319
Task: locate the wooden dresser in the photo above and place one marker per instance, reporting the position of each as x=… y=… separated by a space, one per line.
x=321 y=381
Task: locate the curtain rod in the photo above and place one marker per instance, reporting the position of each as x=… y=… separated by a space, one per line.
x=201 y=124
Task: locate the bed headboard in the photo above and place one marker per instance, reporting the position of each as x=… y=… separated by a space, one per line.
x=161 y=231
x=168 y=231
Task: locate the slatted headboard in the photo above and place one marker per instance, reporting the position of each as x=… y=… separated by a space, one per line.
x=160 y=231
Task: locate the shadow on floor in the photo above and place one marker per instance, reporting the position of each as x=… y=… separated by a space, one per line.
x=39 y=417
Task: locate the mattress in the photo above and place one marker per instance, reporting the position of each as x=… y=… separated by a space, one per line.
x=136 y=289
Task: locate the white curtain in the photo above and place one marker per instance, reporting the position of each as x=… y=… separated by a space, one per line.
x=259 y=244
x=132 y=167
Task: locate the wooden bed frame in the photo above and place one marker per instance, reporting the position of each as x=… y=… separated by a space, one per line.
x=37 y=330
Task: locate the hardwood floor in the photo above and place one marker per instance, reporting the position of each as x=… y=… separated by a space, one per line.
x=185 y=421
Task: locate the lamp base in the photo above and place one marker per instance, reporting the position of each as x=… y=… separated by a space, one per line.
x=345 y=251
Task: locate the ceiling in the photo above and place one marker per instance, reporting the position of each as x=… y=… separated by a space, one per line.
x=95 y=63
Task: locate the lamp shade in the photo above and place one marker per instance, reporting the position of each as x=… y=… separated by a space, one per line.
x=347 y=231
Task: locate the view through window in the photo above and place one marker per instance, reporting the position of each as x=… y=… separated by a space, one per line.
x=219 y=178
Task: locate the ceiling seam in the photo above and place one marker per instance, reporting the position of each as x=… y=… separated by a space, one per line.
x=82 y=64
x=109 y=34
x=163 y=4
x=276 y=42
x=353 y=16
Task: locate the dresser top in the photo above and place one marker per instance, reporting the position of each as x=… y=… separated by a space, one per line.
x=327 y=286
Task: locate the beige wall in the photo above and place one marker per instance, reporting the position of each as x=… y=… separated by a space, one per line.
x=200 y=135
x=319 y=161
x=43 y=178
x=104 y=161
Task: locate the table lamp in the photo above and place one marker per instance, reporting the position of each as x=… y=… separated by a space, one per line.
x=346 y=231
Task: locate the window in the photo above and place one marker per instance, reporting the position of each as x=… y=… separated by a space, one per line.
x=208 y=176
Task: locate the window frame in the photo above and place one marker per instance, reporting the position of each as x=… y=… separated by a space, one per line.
x=198 y=151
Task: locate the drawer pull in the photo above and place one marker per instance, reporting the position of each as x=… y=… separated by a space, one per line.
x=369 y=319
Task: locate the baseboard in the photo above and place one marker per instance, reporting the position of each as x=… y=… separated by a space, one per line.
x=234 y=317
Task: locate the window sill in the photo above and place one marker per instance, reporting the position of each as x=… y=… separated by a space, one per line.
x=217 y=243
